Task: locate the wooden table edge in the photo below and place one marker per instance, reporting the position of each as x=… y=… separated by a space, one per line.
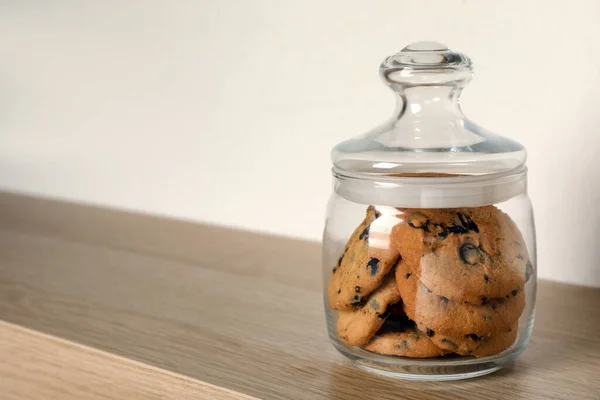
x=27 y=354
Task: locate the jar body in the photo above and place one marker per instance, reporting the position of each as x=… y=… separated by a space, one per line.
x=416 y=289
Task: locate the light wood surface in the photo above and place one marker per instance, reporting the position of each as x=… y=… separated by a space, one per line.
x=38 y=366
x=238 y=310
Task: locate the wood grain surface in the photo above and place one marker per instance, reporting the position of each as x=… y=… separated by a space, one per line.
x=38 y=366
x=238 y=310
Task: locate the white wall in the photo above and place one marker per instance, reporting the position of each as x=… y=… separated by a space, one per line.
x=225 y=111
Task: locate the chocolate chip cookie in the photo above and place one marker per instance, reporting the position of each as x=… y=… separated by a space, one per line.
x=459 y=268
x=440 y=314
x=466 y=254
x=362 y=266
x=473 y=345
x=356 y=327
x=404 y=340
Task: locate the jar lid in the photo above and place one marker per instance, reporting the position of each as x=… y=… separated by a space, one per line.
x=428 y=133
x=428 y=154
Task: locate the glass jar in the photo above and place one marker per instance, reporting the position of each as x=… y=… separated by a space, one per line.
x=429 y=245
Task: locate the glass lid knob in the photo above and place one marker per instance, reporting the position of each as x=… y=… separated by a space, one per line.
x=426 y=63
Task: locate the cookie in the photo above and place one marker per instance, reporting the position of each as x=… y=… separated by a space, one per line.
x=514 y=247
x=459 y=268
x=467 y=254
x=420 y=229
x=439 y=314
x=501 y=238
x=362 y=266
x=404 y=341
x=358 y=326
x=473 y=345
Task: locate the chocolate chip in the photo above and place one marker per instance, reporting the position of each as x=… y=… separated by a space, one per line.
x=374 y=304
x=456 y=229
x=418 y=221
x=449 y=341
x=430 y=332
x=408 y=276
x=339 y=291
x=403 y=345
x=443 y=234
x=334 y=270
x=357 y=289
x=340 y=259
x=424 y=288
x=467 y=222
x=357 y=301
x=473 y=337
x=484 y=300
x=377 y=214
x=528 y=271
x=509 y=329
x=514 y=292
x=469 y=253
x=486 y=278
x=373 y=266
x=365 y=233
x=445 y=299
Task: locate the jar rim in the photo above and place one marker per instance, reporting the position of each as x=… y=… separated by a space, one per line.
x=431 y=192
x=443 y=179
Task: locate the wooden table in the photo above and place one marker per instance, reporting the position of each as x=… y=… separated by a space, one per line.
x=99 y=303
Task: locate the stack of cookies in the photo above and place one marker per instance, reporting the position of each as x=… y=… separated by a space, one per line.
x=442 y=281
